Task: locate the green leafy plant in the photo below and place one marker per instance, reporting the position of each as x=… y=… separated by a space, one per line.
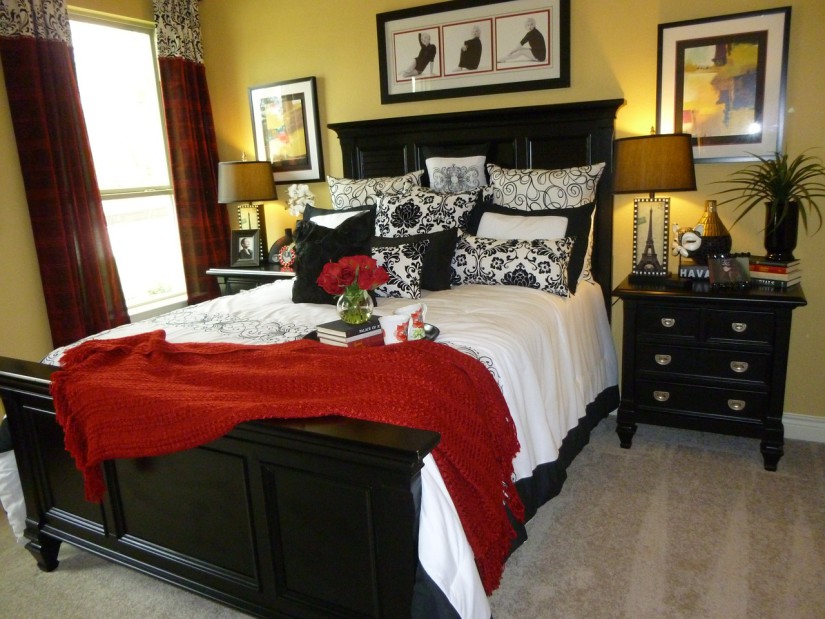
x=776 y=183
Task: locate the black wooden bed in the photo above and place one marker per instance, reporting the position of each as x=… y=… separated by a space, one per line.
x=239 y=520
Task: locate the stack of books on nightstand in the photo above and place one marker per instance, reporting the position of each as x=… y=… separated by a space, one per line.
x=340 y=333
x=774 y=273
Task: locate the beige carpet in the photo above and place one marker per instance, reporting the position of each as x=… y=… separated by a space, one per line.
x=683 y=525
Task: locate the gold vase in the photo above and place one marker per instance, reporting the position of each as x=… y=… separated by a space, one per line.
x=715 y=236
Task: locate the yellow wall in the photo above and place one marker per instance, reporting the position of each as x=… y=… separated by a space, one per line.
x=254 y=42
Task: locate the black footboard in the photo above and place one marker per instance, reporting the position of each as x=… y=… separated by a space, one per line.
x=313 y=518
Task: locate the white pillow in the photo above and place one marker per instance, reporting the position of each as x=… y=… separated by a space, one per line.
x=456 y=174
x=422 y=210
x=498 y=226
x=532 y=190
x=347 y=192
x=333 y=220
x=540 y=264
x=403 y=263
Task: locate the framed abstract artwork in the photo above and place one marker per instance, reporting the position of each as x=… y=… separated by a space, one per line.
x=723 y=80
x=471 y=47
x=287 y=130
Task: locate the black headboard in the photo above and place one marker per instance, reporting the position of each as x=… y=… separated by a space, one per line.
x=547 y=137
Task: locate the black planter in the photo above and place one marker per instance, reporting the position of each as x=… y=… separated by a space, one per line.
x=781 y=229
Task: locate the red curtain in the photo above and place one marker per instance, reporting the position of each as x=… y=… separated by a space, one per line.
x=80 y=281
x=204 y=231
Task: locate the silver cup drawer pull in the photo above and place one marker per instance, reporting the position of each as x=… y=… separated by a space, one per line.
x=662 y=359
x=739 y=327
x=739 y=367
x=736 y=405
x=668 y=322
x=661 y=396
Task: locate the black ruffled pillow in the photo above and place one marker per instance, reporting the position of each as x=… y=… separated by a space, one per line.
x=315 y=245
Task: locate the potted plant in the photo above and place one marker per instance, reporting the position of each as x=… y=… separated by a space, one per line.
x=788 y=189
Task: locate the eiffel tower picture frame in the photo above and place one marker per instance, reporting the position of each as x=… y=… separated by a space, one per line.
x=650 y=239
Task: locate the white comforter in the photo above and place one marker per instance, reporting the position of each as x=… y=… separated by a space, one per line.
x=551 y=356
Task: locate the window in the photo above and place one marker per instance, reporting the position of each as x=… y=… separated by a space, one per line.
x=120 y=94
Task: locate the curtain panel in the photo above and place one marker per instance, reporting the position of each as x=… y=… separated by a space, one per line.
x=77 y=268
x=193 y=145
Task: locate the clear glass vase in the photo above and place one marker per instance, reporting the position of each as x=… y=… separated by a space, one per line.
x=355 y=307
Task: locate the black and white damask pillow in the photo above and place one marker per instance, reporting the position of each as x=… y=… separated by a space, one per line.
x=540 y=264
x=348 y=192
x=456 y=174
x=422 y=210
x=404 y=263
x=536 y=190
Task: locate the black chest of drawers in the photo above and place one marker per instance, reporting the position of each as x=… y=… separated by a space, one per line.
x=706 y=360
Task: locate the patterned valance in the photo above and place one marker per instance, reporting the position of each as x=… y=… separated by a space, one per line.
x=178 y=29
x=41 y=19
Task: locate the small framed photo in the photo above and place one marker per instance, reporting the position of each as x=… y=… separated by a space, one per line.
x=729 y=271
x=287 y=129
x=245 y=250
x=723 y=81
x=650 y=239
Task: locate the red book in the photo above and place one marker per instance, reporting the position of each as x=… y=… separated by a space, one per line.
x=772 y=268
x=376 y=339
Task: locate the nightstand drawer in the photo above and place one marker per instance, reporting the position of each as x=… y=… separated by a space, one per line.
x=703 y=363
x=751 y=327
x=668 y=320
x=677 y=398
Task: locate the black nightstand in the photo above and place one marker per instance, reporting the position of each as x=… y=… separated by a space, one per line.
x=706 y=360
x=234 y=280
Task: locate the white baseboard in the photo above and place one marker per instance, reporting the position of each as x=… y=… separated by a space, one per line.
x=804 y=427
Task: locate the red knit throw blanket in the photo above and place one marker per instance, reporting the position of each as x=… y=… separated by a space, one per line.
x=143 y=396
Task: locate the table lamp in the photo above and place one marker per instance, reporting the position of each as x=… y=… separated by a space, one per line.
x=250 y=183
x=650 y=164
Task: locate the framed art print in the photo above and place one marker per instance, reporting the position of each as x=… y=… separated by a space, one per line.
x=722 y=80
x=473 y=47
x=650 y=239
x=287 y=130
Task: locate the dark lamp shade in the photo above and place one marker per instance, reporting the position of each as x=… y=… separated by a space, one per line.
x=651 y=163
x=245 y=181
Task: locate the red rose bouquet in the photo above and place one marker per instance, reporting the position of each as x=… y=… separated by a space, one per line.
x=350 y=279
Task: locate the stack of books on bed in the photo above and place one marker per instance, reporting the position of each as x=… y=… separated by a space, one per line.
x=774 y=273
x=340 y=333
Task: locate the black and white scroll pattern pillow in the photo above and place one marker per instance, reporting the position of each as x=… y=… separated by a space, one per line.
x=539 y=264
x=422 y=210
x=456 y=174
x=348 y=192
x=403 y=263
x=536 y=190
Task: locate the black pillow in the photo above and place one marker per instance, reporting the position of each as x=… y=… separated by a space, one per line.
x=438 y=257
x=313 y=211
x=316 y=245
x=578 y=227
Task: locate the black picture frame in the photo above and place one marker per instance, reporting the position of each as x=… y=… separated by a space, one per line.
x=729 y=271
x=287 y=113
x=455 y=72
x=723 y=80
x=651 y=221
x=237 y=256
